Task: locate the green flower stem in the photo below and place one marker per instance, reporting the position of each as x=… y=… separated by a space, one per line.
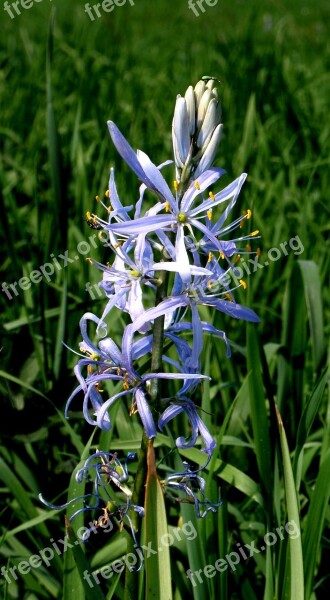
x=158 y=340
x=138 y=497
x=132 y=577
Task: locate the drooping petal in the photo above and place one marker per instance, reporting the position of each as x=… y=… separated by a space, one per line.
x=102 y=415
x=145 y=414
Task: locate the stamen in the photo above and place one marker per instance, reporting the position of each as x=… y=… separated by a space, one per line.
x=97 y=198
x=248 y=247
x=209 y=214
x=182 y=218
x=229 y=297
x=236 y=259
x=212 y=196
x=197 y=186
x=258 y=252
x=249 y=214
x=222 y=255
x=175 y=185
x=243 y=284
x=210 y=257
x=167 y=206
x=107 y=193
x=256 y=232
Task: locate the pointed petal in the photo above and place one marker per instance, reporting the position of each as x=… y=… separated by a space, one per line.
x=154 y=175
x=127 y=153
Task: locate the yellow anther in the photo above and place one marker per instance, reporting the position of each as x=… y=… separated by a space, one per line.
x=126 y=385
x=107 y=193
x=175 y=185
x=89 y=260
x=222 y=255
x=210 y=284
x=109 y=209
x=258 y=252
x=241 y=223
x=210 y=257
x=243 y=284
x=182 y=218
x=97 y=198
x=197 y=186
x=212 y=196
x=167 y=206
x=135 y=273
x=88 y=216
x=236 y=259
x=248 y=214
x=118 y=245
x=89 y=369
x=209 y=214
x=256 y=232
x=248 y=247
x=228 y=296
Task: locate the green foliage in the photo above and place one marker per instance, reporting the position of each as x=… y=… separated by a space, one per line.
x=61 y=79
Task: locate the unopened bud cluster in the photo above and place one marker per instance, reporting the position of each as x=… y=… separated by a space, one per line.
x=196 y=130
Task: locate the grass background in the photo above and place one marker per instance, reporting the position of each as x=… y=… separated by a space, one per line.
x=273 y=59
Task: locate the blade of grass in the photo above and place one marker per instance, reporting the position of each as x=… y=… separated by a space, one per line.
x=294 y=581
x=259 y=417
x=315 y=522
x=307 y=419
x=157 y=566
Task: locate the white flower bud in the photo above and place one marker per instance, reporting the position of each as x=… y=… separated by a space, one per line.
x=191 y=108
x=202 y=107
x=209 y=124
x=210 y=151
x=199 y=91
x=181 y=129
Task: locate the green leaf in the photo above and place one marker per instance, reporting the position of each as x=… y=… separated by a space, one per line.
x=315 y=522
x=157 y=566
x=259 y=417
x=75 y=585
x=75 y=561
x=313 y=298
x=293 y=587
x=308 y=416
